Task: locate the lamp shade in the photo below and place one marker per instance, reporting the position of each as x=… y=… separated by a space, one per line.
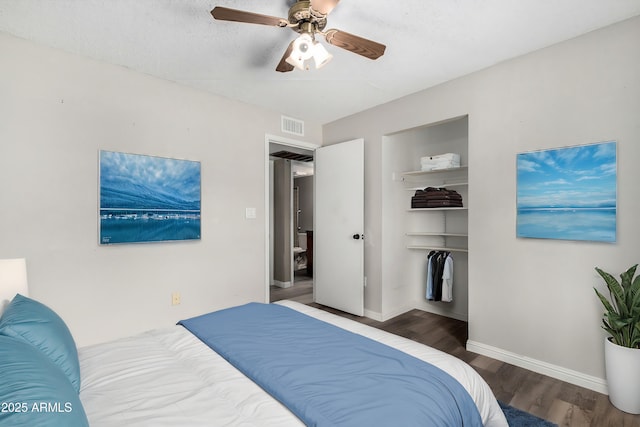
x=295 y=61
x=321 y=56
x=303 y=46
x=13 y=280
x=303 y=49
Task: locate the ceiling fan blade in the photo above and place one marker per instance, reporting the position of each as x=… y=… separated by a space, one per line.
x=226 y=14
x=324 y=6
x=284 y=66
x=361 y=46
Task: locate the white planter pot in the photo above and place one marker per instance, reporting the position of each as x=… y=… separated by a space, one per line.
x=622 y=366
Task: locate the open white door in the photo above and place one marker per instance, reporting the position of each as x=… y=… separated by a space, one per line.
x=339 y=226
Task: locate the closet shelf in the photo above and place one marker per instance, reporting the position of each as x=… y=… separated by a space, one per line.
x=431 y=172
x=435 y=234
x=436 y=248
x=445 y=184
x=436 y=209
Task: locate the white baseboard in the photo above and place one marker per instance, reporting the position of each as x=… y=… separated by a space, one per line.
x=373 y=315
x=554 y=371
x=280 y=284
x=382 y=317
x=432 y=308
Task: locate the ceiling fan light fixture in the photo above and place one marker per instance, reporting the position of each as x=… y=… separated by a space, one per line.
x=302 y=50
x=305 y=48
x=321 y=56
x=295 y=61
x=307 y=18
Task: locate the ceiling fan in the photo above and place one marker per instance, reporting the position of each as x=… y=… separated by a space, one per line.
x=308 y=18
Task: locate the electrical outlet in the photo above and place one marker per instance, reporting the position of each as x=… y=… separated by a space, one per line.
x=175 y=298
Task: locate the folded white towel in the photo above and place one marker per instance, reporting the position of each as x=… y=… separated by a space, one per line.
x=441 y=161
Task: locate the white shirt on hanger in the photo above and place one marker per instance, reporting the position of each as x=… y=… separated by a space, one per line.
x=447 y=280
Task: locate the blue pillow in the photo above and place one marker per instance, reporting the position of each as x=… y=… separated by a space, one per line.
x=38 y=325
x=34 y=392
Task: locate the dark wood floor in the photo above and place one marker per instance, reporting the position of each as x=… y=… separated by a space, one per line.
x=301 y=291
x=562 y=403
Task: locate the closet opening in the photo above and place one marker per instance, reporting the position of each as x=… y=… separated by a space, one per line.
x=425 y=213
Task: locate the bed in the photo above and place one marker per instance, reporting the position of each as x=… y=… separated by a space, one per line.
x=170 y=377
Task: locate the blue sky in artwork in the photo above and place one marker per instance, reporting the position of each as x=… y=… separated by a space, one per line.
x=135 y=181
x=573 y=177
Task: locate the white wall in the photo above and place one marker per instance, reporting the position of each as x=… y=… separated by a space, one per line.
x=528 y=299
x=56 y=112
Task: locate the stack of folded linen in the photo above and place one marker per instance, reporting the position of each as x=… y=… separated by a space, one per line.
x=441 y=161
x=432 y=197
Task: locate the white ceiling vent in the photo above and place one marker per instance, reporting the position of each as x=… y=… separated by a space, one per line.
x=292 y=126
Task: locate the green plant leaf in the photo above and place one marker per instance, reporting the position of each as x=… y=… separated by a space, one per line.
x=635 y=304
x=615 y=290
x=618 y=322
x=621 y=318
x=626 y=281
x=627 y=276
x=635 y=291
x=605 y=302
x=636 y=340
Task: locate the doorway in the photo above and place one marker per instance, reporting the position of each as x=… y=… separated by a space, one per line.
x=290 y=220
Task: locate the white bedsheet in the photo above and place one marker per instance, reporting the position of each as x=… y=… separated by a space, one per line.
x=168 y=377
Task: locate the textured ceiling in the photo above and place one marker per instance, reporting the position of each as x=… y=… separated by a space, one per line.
x=428 y=42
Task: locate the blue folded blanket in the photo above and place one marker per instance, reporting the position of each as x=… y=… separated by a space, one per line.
x=328 y=376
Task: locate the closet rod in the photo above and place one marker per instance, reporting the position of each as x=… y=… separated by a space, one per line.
x=435 y=248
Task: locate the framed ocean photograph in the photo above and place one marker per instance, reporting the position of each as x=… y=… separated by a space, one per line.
x=568 y=193
x=148 y=199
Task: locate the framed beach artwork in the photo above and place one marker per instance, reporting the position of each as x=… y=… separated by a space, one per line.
x=148 y=199
x=568 y=193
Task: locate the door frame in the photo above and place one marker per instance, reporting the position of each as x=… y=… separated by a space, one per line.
x=280 y=140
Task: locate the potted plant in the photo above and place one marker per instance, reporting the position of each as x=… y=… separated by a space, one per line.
x=622 y=349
